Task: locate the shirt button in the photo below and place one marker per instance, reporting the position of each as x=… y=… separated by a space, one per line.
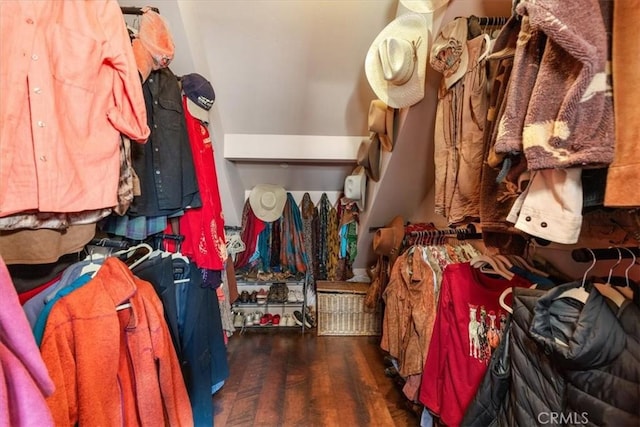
x=543 y=224
x=40 y=123
x=29 y=21
x=151 y=80
x=43 y=158
x=155 y=102
x=34 y=57
x=155 y=126
x=37 y=90
x=157 y=172
x=156 y=149
x=528 y=218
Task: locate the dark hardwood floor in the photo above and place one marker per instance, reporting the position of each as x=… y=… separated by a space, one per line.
x=284 y=378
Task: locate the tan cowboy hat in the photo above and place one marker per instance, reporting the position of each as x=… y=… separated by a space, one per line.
x=355 y=187
x=449 y=54
x=388 y=240
x=369 y=156
x=267 y=201
x=423 y=6
x=396 y=62
x=381 y=118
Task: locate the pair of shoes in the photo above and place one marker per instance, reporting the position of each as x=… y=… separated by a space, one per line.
x=238 y=319
x=261 y=296
x=310 y=318
x=295 y=295
x=266 y=319
x=244 y=297
x=299 y=319
x=253 y=297
x=253 y=319
x=287 y=320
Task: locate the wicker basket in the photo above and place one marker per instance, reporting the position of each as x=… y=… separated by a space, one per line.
x=341 y=310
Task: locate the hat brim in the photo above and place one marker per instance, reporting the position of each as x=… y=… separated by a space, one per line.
x=369 y=156
x=196 y=111
x=267 y=215
x=411 y=27
x=359 y=199
x=423 y=6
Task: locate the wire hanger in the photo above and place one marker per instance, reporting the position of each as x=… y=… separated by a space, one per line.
x=579 y=293
x=609 y=291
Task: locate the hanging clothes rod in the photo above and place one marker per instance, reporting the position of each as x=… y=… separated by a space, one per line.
x=132 y=10
x=584 y=254
x=110 y=243
x=469 y=232
x=490 y=21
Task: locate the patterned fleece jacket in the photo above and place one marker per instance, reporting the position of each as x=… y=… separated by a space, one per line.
x=559 y=107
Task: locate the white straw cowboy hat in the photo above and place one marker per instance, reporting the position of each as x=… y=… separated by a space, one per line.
x=369 y=156
x=355 y=187
x=396 y=62
x=423 y=6
x=267 y=201
x=381 y=121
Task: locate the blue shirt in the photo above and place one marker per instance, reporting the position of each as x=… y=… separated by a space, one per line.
x=38 y=328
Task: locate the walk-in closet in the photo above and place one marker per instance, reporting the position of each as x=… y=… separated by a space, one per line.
x=389 y=213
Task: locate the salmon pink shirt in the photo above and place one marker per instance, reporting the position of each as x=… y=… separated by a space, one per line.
x=69 y=86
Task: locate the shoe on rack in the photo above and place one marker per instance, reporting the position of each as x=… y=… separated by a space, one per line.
x=244 y=297
x=261 y=296
x=253 y=297
x=238 y=319
x=275 y=320
x=310 y=318
x=299 y=319
x=286 y=320
x=266 y=319
x=257 y=316
x=248 y=319
x=292 y=296
x=299 y=295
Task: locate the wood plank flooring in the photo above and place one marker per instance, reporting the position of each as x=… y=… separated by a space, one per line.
x=284 y=378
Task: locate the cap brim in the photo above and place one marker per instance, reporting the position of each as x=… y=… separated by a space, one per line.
x=197 y=112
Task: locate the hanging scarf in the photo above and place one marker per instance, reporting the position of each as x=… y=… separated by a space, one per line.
x=333 y=245
x=264 y=248
x=274 y=246
x=292 y=254
x=324 y=212
x=251 y=228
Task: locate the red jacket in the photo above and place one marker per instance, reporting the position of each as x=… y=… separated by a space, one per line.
x=113 y=367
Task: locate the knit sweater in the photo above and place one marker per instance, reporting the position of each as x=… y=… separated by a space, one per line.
x=559 y=109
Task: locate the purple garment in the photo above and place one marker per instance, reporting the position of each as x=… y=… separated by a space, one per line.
x=25 y=380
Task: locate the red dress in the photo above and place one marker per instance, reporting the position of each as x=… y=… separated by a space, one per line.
x=203 y=227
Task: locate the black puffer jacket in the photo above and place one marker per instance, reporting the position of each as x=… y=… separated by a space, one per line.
x=601 y=361
x=536 y=386
x=572 y=364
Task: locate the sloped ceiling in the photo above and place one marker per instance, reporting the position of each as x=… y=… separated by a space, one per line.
x=294 y=70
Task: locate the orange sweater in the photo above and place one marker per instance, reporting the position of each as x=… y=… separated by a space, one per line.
x=96 y=383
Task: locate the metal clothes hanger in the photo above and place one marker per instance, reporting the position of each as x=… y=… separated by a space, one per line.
x=607 y=290
x=579 y=293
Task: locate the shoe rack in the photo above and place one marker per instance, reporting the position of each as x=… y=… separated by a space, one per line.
x=256 y=309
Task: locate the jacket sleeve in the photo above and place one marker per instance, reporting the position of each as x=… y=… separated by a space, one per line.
x=57 y=353
x=494 y=388
x=172 y=387
x=431 y=387
x=128 y=114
